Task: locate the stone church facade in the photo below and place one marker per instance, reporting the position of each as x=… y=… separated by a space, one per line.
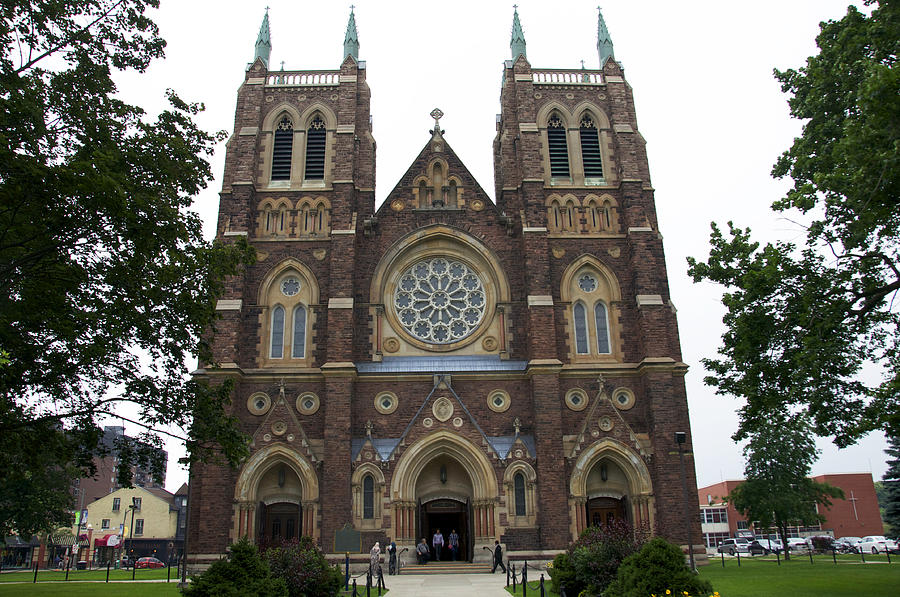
x=510 y=369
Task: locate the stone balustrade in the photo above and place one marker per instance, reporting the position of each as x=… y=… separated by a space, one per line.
x=309 y=78
x=566 y=77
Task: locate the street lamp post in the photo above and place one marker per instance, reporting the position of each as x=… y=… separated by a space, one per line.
x=680 y=439
x=131 y=555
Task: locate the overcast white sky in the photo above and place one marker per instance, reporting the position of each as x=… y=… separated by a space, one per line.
x=713 y=116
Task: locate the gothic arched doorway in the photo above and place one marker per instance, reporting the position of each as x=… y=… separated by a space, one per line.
x=444 y=479
x=444 y=493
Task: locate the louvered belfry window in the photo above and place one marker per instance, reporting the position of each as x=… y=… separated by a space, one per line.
x=281 y=154
x=590 y=148
x=315 y=149
x=559 y=151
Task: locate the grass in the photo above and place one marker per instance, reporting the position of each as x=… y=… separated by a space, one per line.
x=759 y=576
x=92 y=589
x=76 y=575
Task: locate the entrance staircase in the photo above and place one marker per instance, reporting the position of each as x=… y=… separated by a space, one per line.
x=444 y=567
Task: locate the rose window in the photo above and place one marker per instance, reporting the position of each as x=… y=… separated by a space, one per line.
x=440 y=300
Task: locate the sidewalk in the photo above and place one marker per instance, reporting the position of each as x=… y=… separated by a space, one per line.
x=460 y=585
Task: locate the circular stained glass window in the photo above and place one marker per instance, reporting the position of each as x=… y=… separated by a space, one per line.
x=440 y=300
x=290 y=286
x=587 y=283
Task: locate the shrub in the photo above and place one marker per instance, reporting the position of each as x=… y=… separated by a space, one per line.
x=562 y=572
x=658 y=566
x=597 y=554
x=304 y=569
x=243 y=574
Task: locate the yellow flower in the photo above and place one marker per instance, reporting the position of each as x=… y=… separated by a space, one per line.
x=668 y=592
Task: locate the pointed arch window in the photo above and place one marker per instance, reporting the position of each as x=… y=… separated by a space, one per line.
x=519 y=490
x=602 y=323
x=298 y=343
x=581 y=328
x=277 y=351
x=315 y=149
x=558 y=148
x=590 y=148
x=283 y=150
x=368 y=497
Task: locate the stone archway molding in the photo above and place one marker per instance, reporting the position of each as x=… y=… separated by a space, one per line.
x=639 y=483
x=257 y=465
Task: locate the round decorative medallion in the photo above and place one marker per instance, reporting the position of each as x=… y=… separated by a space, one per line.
x=440 y=300
x=457 y=422
x=442 y=409
x=518 y=453
x=587 y=283
x=606 y=423
x=319 y=254
x=498 y=401
x=334 y=97
x=279 y=427
x=259 y=403
x=391 y=345
x=559 y=252
x=290 y=286
x=301 y=98
x=290 y=437
x=623 y=398
x=477 y=205
x=576 y=399
x=595 y=433
x=386 y=403
x=570 y=96
x=307 y=403
x=601 y=96
x=270 y=98
x=428 y=422
x=397 y=205
x=614 y=252
x=489 y=344
x=538 y=95
x=267 y=437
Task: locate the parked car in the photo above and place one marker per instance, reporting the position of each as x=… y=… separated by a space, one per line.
x=735 y=545
x=148 y=563
x=847 y=544
x=797 y=544
x=766 y=546
x=877 y=544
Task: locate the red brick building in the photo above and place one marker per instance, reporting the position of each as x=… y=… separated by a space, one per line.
x=857 y=515
x=510 y=369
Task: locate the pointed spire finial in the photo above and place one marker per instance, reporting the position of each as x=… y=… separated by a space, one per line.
x=517 y=41
x=263 y=41
x=351 y=39
x=604 y=41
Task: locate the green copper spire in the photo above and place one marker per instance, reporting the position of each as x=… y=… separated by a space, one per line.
x=351 y=40
x=517 y=43
x=263 y=41
x=604 y=41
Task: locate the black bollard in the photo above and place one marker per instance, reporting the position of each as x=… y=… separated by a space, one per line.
x=35 y=573
x=542 y=585
x=346 y=569
x=108 y=564
x=834 y=555
x=887 y=552
x=810 y=555
x=739 y=558
x=68 y=565
x=507 y=573
x=513 y=575
x=369 y=583
x=355 y=594
x=723 y=559
x=777 y=558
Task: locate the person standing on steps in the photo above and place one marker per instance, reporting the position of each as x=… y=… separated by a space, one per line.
x=392 y=558
x=375 y=562
x=422 y=551
x=437 y=542
x=498 y=557
x=453 y=544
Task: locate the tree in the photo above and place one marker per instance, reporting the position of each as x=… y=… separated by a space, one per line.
x=106 y=284
x=777 y=491
x=889 y=496
x=815 y=313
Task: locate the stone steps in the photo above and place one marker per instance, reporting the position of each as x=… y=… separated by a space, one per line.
x=447 y=568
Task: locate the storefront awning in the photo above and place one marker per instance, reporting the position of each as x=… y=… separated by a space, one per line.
x=105 y=540
x=62 y=540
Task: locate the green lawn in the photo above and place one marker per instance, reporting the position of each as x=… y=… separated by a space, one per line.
x=762 y=577
x=92 y=589
x=75 y=575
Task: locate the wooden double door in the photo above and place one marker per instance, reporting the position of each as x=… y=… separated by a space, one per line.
x=447 y=515
x=604 y=511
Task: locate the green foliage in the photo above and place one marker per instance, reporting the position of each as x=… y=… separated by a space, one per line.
x=657 y=567
x=562 y=572
x=889 y=497
x=777 y=491
x=596 y=555
x=304 y=569
x=106 y=285
x=243 y=574
x=802 y=320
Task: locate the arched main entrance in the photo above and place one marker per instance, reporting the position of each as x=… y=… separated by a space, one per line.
x=276 y=497
x=610 y=482
x=444 y=481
